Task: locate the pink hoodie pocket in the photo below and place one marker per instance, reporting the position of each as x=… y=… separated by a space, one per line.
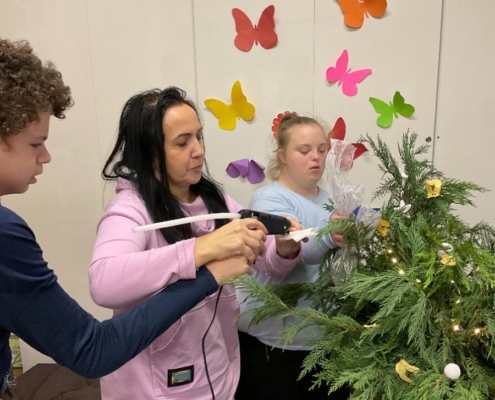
x=177 y=361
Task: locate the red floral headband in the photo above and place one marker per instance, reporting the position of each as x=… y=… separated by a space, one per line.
x=276 y=121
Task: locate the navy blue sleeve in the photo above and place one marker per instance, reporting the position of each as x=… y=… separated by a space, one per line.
x=38 y=310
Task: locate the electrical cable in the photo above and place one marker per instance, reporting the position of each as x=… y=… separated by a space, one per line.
x=203 y=343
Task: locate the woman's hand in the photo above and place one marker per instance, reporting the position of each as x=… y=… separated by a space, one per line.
x=289 y=248
x=229 y=268
x=244 y=237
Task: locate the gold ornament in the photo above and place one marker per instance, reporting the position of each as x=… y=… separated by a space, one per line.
x=403 y=367
x=373 y=325
x=383 y=227
x=433 y=188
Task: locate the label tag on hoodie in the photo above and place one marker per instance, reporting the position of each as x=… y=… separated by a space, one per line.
x=180 y=376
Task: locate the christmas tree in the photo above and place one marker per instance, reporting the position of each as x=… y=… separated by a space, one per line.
x=416 y=320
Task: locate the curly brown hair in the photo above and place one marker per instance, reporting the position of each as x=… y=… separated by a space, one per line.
x=27 y=87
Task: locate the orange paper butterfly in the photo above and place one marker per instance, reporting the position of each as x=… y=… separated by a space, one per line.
x=355 y=10
x=249 y=34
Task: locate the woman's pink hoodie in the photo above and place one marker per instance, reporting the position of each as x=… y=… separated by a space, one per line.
x=129 y=267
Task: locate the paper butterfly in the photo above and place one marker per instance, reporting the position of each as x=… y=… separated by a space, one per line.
x=247 y=34
x=227 y=114
x=446 y=259
x=355 y=10
x=338 y=132
x=245 y=168
x=345 y=77
x=297 y=236
x=403 y=207
x=447 y=247
x=383 y=227
x=433 y=188
x=388 y=111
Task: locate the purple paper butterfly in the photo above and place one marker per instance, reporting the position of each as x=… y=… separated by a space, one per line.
x=253 y=171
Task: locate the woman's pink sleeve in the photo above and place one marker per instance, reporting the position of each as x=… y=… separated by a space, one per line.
x=124 y=270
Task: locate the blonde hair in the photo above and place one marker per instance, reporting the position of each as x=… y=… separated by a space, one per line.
x=282 y=137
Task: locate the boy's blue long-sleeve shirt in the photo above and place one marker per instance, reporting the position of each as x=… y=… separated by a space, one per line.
x=36 y=308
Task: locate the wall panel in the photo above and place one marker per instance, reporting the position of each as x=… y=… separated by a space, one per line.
x=465 y=137
x=401 y=56
x=273 y=80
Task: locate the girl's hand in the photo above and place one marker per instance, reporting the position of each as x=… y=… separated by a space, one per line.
x=338 y=237
x=289 y=248
x=244 y=237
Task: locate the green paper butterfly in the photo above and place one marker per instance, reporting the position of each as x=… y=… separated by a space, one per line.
x=388 y=111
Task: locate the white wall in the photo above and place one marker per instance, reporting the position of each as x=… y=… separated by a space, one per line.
x=464 y=132
x=438 y=54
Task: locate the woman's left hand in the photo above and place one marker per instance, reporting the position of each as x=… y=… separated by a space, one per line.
x=289 y=248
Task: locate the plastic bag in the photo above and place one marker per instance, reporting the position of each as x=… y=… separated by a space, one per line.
x=346 y=197
x=345 y=260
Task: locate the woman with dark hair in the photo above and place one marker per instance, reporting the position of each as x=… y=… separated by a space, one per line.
x=158 y=163
x=32 y=303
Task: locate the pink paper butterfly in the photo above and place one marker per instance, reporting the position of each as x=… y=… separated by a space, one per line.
x=345 y=77
x=249 y=169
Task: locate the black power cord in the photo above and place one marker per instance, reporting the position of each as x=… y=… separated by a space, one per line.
x=203 y=343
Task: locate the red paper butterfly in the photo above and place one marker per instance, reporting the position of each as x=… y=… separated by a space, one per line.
x=247 y=34
x=338 y=132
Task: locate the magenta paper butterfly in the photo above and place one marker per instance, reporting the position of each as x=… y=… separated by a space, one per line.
x=347 y=78
x=249 y=169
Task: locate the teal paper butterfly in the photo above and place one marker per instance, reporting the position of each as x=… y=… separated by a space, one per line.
x=388 y=111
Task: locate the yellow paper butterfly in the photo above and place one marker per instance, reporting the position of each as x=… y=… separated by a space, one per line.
x=227 y=114
x=383 y=227
x=433 y=188
x=403 y=367
x=446 y=259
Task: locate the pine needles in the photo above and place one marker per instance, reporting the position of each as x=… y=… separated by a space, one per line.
x=424 y=292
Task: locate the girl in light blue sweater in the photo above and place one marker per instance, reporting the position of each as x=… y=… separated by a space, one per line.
x=267 y=370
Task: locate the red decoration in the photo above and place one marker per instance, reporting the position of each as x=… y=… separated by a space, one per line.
x=338 y=132
x=276 y=122
x=248 y=34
